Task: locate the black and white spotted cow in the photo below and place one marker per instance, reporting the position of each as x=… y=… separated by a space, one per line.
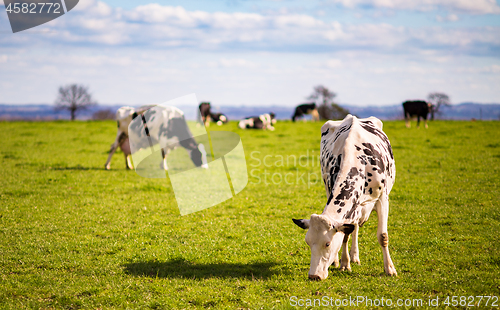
x=416 y=108
x=218 y=118
x=304 y=109
x=358 y=171
x=264 y=121
x=171 y=127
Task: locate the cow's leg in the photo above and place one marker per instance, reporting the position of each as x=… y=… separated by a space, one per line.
x=382 y=236
x=345 y=262
x=164 y=154
x=120 y=136
x=354 y=247
x=407 y=121
x=418 y=121
x=425 y=122
x=128 y=163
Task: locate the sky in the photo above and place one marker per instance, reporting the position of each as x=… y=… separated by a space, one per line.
x=258 y=52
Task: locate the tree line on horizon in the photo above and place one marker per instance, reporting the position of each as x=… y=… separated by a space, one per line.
x=75 y=98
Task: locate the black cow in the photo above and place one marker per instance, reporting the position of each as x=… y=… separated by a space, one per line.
x=205 y=113
x=306 y=108
x=418 y=108
x=218 y=118
x=264 y=121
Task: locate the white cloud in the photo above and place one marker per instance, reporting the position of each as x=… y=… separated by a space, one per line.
x=232 y=63
x=156 y=26
x=465 y=6
x=449 y=18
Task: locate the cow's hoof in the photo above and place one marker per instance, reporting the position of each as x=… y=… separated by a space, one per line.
x=391 y=271
x=345 y=268
x=314 y=278
x=107 y=167
x=356 y=260
x=204 y=166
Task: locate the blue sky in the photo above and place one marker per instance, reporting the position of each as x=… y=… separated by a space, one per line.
x=258 y=52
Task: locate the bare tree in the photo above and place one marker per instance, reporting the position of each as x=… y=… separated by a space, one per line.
x=74 y=98
x=327 y=108
x=437 y=100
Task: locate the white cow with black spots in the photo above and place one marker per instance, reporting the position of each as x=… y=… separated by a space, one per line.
x=165 y=125
x=358 y=171
x=264 y=121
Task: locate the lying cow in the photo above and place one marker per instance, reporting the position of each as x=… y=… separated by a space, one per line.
x=264 y=121
x=218 y=118
x=358 y=171
x=174 y=129
x=416 y=108
x=304 y=109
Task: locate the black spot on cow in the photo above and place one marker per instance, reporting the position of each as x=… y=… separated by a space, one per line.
x=326 y=132
x=329 y=199
x=370 y=190
x=369 y=180
x=339 y=210
x=353 y=172
x=369 y=174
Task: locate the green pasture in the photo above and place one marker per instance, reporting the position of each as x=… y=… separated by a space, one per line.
x=73 y=235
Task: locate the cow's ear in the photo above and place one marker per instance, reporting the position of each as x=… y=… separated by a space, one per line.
x=347 y=228
x=304 y=224
x=378 y=123
x=330 y=125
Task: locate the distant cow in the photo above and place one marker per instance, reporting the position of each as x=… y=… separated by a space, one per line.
x=218 y=118
x=358 y=171
x=416 y=108
x=164 y=124
x=306 y=108
x=204 y=108
x=264 y=121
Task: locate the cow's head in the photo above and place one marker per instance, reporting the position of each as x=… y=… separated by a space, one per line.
x=324 y=237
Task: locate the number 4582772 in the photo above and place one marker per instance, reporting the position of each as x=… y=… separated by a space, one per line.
x=32 y=8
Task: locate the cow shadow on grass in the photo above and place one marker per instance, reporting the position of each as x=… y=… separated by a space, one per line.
x=181 y=268
x=75 y=168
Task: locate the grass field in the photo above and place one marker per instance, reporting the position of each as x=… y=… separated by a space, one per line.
x=73 y=235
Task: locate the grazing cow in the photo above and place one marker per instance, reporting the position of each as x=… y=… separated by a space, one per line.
x=358 y=171
x=416 y=108
x=205 y=113
x=306 y=108
x=219 y=118
x=264 y=121
x=173 y=128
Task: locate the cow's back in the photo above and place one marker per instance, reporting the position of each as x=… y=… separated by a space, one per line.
x=357 y=162
x=417 y=107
